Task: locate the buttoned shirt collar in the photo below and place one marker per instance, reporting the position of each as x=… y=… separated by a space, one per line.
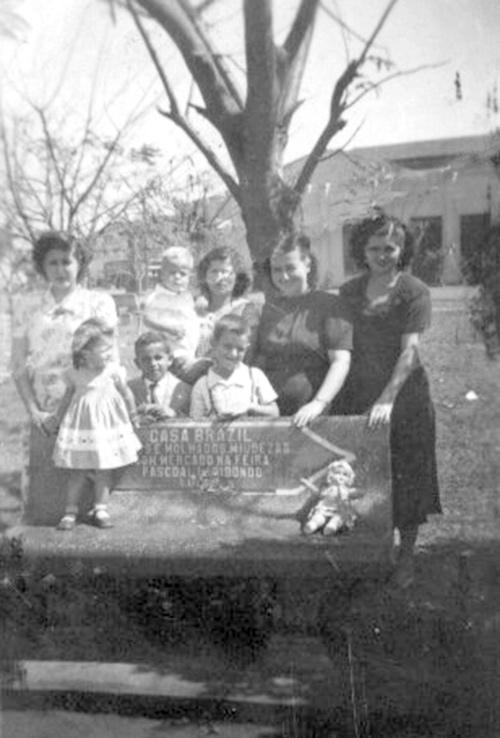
x=51 y=305
x=239 y=377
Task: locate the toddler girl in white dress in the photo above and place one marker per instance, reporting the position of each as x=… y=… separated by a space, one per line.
x=97 y=415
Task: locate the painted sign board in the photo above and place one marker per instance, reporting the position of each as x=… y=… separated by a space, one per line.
x=271 y=456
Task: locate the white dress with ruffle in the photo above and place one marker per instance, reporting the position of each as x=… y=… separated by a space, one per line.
x=96 y=432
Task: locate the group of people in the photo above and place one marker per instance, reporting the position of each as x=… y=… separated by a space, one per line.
x=304 y=353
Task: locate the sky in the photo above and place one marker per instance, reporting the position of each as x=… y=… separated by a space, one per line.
x=70 y=47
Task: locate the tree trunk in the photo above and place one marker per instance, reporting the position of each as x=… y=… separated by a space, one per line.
x=267 y=207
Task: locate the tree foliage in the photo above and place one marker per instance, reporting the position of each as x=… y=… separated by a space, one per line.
x=78 y=183
x=160 y=217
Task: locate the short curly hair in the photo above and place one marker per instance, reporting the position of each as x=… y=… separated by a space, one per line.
x=288 y=242
x=243 y=282
x=54 y=240
x=381 y=223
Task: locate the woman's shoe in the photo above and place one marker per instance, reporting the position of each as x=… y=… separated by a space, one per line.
x=101 y=519
x=67 y=522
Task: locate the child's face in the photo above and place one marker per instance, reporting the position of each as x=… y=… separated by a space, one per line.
x=153 y=361
x=175 y=277
x=97 y=357
x=228 y=352
x=339 y=475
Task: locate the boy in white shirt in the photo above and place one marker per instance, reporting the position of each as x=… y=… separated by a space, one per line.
x=231 y=389
x=170 y=308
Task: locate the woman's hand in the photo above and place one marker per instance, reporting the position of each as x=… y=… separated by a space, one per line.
x=408 y=360
x=43 y=421
x=51 y=424
x=381 y=412
x=308 y=412
x=340 y=361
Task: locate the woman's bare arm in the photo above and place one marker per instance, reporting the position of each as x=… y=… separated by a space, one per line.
x=24 y=384
x=340 y=361
x=408 y=360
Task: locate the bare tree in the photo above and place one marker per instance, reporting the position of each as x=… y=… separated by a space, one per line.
x=252 y=112
x=78 y=183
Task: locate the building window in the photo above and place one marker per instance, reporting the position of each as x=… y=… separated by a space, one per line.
x=473 y=232
x=428 y=260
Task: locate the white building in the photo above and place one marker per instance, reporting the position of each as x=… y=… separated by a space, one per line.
x=446 y=190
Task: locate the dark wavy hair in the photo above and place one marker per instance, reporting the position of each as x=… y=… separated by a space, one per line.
x=381 y=222
x=87 y=336
x=292 y=241
x=51 y=240
x=243 y=282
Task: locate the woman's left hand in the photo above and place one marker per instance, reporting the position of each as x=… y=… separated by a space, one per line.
x=381 y=412
x=308 y=412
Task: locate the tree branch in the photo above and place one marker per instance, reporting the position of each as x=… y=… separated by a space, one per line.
x=198 y=56
x=52 y=156
x=218 y=59
x=175 y=115
x=95 y=178
x=81 y=154
x=12 y=186
x=222 y=109
x=373 y=86
x=292 y=60
x=342 y=23
x=304 y=20
x=174 y=107
x=341 y=149
x=207 y=152
x=262 y=87
x=338 y=106
x=334 y=125
x=376 y=31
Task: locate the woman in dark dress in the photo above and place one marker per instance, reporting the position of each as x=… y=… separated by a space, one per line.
x=390 y=309
x=303 y=340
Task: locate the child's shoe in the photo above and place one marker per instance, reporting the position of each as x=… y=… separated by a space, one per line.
x=67 y=522
x=101 y=519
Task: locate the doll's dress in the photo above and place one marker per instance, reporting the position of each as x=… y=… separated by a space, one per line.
x=96 y=432
x=333 y=502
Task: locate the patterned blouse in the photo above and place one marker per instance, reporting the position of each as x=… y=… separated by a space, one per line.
x=42 y=333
